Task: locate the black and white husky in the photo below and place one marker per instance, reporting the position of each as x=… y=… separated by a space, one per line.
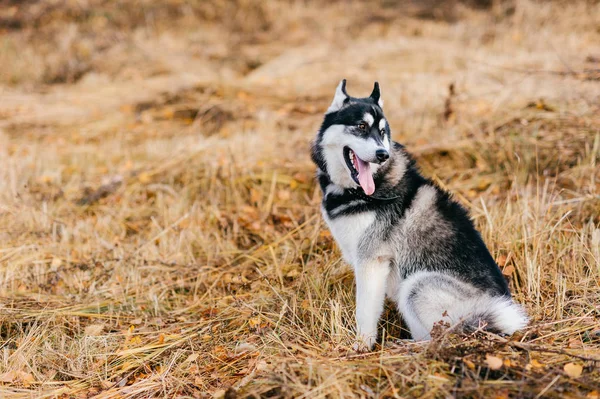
x=403 y=235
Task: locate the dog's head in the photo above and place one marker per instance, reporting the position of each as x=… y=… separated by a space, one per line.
x=354 y=139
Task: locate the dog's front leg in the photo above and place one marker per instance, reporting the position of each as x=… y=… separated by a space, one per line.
x=371 y=278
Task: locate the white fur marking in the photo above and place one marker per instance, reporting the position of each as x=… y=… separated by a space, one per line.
x=348 y=230
x=336 y=211
x=382 y=123
x=371 y=282
x=333 y=189
x=367 y=117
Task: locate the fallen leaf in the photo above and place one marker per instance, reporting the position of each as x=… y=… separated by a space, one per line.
x=191 y=358
x=144 y=178
x=55 y=264
x=293 y=273
x=508 y=270
x=493 y=362
x=469 y=364
x=573 y=370
x=8 y=377
x=254 y=322
x=17 y=376
x=283 y=195
x=501 y=260
x=305 y=304
x=93 y=330
x=534 y=364
x=502 y=395
x=244 y=347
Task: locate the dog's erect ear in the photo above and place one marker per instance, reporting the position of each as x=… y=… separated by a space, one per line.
x=339 y=99
x=376 y=95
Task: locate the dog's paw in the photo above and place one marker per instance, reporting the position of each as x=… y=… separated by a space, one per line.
x=364 y=344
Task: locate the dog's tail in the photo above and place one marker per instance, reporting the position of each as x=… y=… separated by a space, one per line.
x=497 y=314
x=426 y=298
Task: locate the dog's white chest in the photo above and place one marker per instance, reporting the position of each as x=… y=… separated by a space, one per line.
x=348 y=231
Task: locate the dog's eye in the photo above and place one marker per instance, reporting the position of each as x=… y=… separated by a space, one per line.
x=362 y=126
x=382 y=131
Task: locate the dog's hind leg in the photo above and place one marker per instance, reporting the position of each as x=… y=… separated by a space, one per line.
x=371 y=280
x=426 y=298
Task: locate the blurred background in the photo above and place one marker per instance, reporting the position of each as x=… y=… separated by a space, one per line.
x=157 y=194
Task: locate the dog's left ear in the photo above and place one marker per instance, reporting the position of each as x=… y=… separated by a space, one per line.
x=340 y=98
x=376 y=95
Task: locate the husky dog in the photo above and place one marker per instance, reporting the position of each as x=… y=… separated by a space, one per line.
x=403 y=235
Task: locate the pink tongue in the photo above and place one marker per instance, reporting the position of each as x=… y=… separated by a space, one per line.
x=364 y=176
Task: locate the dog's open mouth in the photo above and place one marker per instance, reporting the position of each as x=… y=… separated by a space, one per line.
x=360 y=171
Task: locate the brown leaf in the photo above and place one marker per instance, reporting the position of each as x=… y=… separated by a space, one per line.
x=573 y=370
x=17 y=376
x=493 y=362
x=501 y=260
x=93 y=330
x=593 y=395
x=8 y=377
x=191 y=358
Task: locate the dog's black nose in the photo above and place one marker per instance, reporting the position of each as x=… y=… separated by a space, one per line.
x=382 y=155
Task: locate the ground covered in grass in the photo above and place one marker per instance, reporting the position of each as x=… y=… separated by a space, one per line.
x=160 y=233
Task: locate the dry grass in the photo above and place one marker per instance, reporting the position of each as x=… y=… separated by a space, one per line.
x=159 y=225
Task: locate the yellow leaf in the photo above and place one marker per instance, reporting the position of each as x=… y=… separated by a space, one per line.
x=469 y=364
x=293 y=273
x=144 y=178
x=305 y=304
x=44 y=179
x=593 y=395
x=206 y=338
x=493 y=362
x=254 y=322
x=127 y=365
x=573 y=370
x=535 y=364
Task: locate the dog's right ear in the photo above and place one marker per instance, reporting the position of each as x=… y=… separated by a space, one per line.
x=340 y=98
